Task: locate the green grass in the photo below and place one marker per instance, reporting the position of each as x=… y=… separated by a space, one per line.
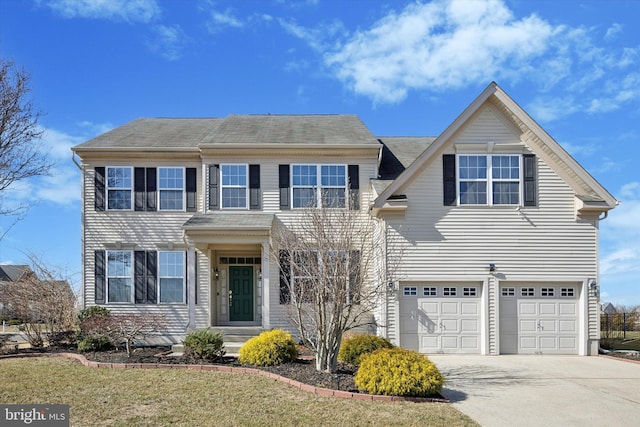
x=162 y=397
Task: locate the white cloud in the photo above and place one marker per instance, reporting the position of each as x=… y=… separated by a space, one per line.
x=219 y=21
x=168 y=42
x=115 y=10
x=319 y=38
x=613 y=31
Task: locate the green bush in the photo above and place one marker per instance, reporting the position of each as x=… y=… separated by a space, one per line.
x=270 y=348
x=204 y=344
x=96 y=343
x=94 y=310
x=398 y=372
x=353 y=348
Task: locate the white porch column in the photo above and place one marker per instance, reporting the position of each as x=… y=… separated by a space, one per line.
x=266 y=289
x=191 y=285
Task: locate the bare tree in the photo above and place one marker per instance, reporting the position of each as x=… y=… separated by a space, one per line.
x=21 y=153
x=43 y=300
x=126 y=328
x=327 y=260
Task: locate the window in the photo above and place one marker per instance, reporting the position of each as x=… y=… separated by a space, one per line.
x=429 y=291
x=234 y=186
x=547 y=292
x=567 y=292
x=171 y=188
x=119 y=188
x=330 y=193
x=171 y=276
x=527 y=292
x=508 y=292
x=470 y=292
x=409 y=291
x=489 y=180
x=449 y=292
x=119 y=276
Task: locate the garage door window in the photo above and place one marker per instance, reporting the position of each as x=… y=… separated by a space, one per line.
x=508 y=292
x=409 y=291
x=469 y=292
x=429 y=292
x=567 y=292
x=449 y=292
x=547 y=292
x=527 y=292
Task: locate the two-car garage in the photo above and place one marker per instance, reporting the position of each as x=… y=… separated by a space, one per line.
x=454 y=317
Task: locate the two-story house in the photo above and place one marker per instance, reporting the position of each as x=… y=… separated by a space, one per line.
x=498 y=224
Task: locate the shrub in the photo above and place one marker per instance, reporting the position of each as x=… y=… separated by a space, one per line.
x=94 y=310
x=270 y=348
x=398 y=372
x=353 y=348
x=204 y=344
x=96 y=343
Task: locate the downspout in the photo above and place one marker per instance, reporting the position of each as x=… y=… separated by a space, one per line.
x=82 y=234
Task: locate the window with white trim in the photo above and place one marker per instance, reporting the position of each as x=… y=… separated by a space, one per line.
x=547 y=292
x=429 y=291
x=449 y=291
x=119 y=276
x=527 y=292
x=489 y=179
x=409 y=291
x=171 y=189
x=171 y=276
x=470 y=292
x=508 y=292
x=234 y=186
x=119 y=184
x=319 y=186
x=567 y=292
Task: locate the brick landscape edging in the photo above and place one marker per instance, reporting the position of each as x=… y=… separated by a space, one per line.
x=232 y=369
x=619 y=358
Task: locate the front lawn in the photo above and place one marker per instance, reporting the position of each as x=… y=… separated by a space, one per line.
x=197 y=398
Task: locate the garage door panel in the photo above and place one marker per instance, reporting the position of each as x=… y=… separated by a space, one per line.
x=469 y=325
x=449 y=325
x=528 y=342
x=548 y=343
x=526 y=308
x=471 y=343
x=470 y=308
x=547 y=309
x=450 y=308
x=429 y=342
x=528 y=325
x=567 y=309
x=547 y=326
x=449 y=343
x=568 y=343
x=430 y=308
x=568 y=326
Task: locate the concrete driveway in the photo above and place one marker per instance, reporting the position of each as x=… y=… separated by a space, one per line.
x=543 y=390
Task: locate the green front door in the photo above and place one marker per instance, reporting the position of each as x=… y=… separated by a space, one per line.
x=240 y=294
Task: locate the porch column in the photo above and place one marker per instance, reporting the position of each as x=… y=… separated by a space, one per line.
x=191 y=285
x=266 y=291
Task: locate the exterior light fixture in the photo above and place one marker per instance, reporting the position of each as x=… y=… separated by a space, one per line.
x=216 y=273
x=492 y=267
x=260 y=274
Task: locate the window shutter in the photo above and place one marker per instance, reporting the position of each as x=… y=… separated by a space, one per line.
x=284 y=187
x=529 y=169
x=139 y=277
x=151 y=274
x=151 y=189
x=285 y=277
x=190 y=187
x=354 y=187
x=449 y=179
x=214 y=173
x=254 y=186
x=354 y=276
x=100 y=187
x=139 y=188
x=100 y=277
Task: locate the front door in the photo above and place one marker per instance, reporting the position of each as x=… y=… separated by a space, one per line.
x=240 y=294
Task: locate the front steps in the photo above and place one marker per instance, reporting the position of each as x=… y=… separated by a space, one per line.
x=234 y=337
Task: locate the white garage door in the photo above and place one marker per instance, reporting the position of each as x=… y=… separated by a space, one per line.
x=539 y=319
x=440 y=318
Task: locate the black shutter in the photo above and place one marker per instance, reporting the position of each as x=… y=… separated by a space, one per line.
x=100 y=186
x=152 y=272
x=214 y=173
x=449 y=179
x=284 y=187
x=100 y=278
x=190 y=187
x=151 y=189
x=354 y=276
x=139 y=277
x=254 y=186
x=354 y=187
x=529 y=170
x=285 y=277
x=139 y=188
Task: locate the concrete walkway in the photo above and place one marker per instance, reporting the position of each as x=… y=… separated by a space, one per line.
x=543 y=390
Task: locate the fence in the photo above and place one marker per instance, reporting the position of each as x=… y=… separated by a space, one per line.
x=619 y=325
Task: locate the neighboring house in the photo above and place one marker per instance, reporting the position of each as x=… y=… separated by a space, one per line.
x=607 y=308
x=10 y=274
x=496 y=223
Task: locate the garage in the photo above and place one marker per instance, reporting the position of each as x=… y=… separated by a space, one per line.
x=441 y=318
x=539 y=319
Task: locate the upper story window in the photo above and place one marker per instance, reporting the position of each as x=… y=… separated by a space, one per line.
x=234 y=186
x=319 y=186
x=171 y=188
x=119 y=274
x=489 y=179
x=119 y=181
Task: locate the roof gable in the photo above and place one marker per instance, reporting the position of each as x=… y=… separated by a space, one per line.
x=537 y=140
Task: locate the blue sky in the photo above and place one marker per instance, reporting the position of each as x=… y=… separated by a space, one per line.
x=405 y=67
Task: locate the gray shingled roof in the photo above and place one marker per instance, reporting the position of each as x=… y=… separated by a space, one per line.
x=155 y=133
x=229 y=221
x=12 y=273
x=291 y=129
x=399 y=152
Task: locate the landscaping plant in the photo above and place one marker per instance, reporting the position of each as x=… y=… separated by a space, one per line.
x=270 y=348
x=355 y=347
x=204 y=344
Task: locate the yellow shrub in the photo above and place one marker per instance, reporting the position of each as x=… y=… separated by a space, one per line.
x=398 y=372
x=354 y=347
x=270 y=348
